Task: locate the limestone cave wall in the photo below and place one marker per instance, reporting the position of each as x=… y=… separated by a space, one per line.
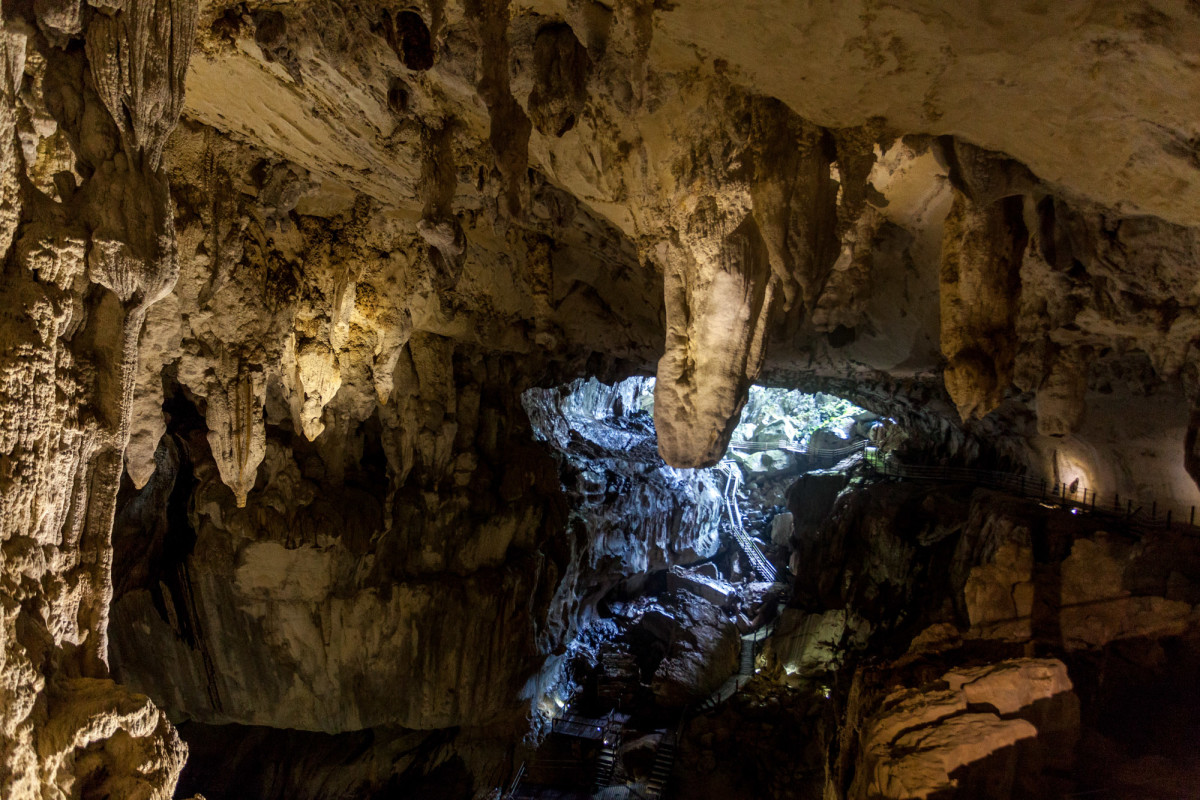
x=280 y=276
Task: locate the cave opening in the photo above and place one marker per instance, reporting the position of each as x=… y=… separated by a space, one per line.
x=691 y=572
x=734 y=617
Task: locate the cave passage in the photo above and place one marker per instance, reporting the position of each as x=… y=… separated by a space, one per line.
x=698 y=573
x=296 y=501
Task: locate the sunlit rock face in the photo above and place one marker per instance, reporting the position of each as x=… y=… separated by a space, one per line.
x=638 y=514
x=348 y=236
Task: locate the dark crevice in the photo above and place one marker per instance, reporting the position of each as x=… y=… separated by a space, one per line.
x=409 y=37
x=153 y=533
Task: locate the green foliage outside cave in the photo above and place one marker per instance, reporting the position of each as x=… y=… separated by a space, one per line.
x=787 y=418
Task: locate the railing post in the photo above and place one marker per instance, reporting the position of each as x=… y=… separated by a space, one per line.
x=1117 y=502
x=1169 y=517
x=1192 y=521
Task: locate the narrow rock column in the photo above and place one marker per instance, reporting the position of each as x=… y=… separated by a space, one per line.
x=83 y=269
x=980 y=281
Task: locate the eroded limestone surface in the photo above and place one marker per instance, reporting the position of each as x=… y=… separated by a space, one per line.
x=918 y=739
x=277 y=277
x=90 y=241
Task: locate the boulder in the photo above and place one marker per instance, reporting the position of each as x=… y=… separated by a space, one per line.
x=825 y=439
x=714 y=590
x=781 y=529
x=702 y=654
x=1005 y=730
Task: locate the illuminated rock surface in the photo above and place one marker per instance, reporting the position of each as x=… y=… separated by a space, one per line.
x=280 y=279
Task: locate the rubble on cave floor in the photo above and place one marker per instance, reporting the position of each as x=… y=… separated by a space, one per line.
x=640 y=672
x=911 y=662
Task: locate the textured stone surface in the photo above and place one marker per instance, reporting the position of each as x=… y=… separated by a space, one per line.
x=316 y=575
x=717 y=185
x=930 y=743
x=703 y=648
x=996 y=568
x=89 y=237
x=314 y=304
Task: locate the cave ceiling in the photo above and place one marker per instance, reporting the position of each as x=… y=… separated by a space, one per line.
x=802 y=181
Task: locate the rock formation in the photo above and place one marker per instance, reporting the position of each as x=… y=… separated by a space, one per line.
x=934 y=618
x=90 y=241
x=290 y=287
x=918 y=740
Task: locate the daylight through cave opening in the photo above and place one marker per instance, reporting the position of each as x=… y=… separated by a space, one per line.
x=688 y=566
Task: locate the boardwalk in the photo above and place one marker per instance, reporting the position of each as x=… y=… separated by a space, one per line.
x=759 y=562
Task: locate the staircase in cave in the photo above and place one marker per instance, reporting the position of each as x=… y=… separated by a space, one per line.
x=606 y=761
x=733 y=479
x=746 y=666
x=750 y=644
x=664 y=763
x=1077 y=499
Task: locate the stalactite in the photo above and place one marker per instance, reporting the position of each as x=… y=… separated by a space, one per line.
x=510 y=127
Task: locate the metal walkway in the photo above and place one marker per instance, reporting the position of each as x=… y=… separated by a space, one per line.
x=1132 y=513
x=733 y=479
x=751 y=644
x=580 y=727
x=1136 y=513
x=815 y=459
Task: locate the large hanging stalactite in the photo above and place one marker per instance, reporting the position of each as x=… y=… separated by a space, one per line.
x=718 y=310
x=981 y=261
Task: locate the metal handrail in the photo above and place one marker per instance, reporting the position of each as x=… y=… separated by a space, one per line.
x=787 y=446
x=757 y=560
x=516 y=782
x=1081 y=499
